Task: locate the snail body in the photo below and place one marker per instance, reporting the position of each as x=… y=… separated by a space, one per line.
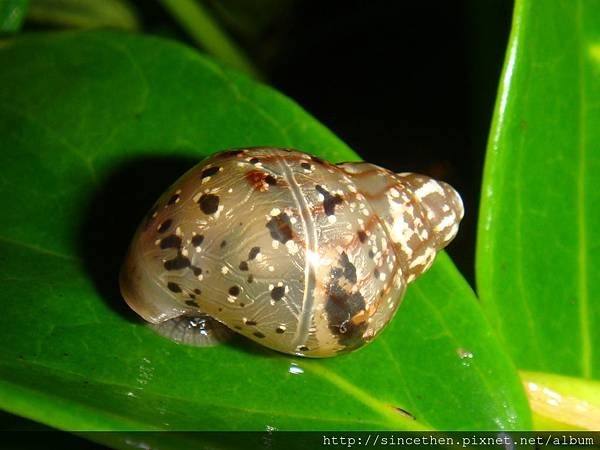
x=300 y=255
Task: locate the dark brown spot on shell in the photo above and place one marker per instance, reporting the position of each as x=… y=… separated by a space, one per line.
x=243 y=266
x=277 y=293
x=173 y=287
x=280 y=227
x=191 y=303
x=197 y=270
x=209 y=172
x=306 y=166
x=304 y=348
x=340 y=307
x=177 y=263
x=234 y=291
x=165 y=225
x=173 y=199
x=279 y=330
x=250 y=278
x=258 y=334
x=223 y=244
x=254 y=160
x=197 y=240
x=197 y=291
x=253 y=252
x=362 y=236
x=250 y=323
x=329 y=201
x=172 y=241
x=260 y=180
x=348 y=267
x=209 y=203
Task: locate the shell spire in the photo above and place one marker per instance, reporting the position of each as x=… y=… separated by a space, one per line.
x=421 y=215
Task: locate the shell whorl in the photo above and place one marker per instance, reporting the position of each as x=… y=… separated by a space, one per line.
x=300 y=255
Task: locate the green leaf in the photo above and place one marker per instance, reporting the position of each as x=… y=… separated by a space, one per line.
x=539 y=230
x=84 y=13
x=12 y=13
x=94 y=126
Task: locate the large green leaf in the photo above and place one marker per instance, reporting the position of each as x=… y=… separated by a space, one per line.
x=539 y=236
x=93 y=126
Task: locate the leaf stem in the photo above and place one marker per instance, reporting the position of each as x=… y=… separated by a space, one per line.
x=206 y=33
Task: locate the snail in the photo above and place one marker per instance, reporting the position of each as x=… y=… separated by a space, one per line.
x=302 y=256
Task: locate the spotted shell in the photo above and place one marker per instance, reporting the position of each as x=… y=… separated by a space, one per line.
x=300 y=255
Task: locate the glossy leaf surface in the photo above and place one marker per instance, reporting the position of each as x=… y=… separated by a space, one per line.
x=539 y=234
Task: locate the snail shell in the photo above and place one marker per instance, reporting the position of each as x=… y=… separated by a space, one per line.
x=300 y=255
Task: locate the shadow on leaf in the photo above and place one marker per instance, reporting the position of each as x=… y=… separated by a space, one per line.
x=114 y=212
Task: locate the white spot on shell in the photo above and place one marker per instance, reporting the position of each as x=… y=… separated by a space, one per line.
x=429 y=188
x=292 y=247
x=447 y=221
